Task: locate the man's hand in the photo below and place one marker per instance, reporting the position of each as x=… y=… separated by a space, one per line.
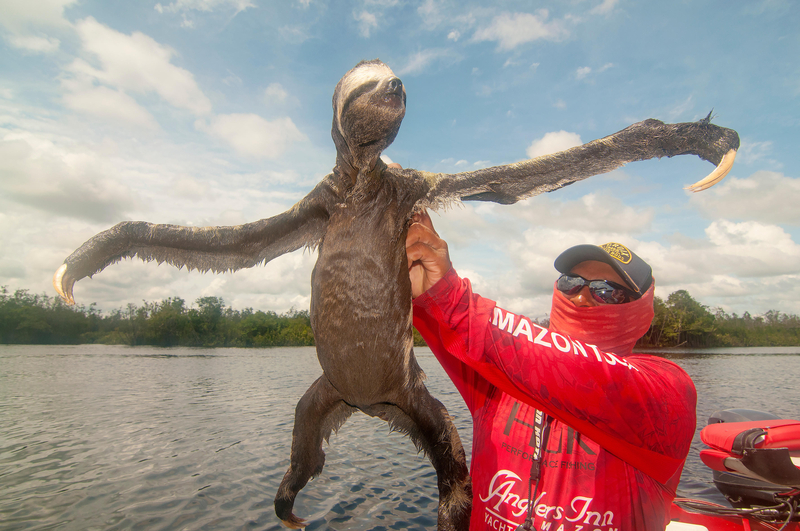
x=428 y=258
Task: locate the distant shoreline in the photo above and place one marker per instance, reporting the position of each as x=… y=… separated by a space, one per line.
x=25 y=319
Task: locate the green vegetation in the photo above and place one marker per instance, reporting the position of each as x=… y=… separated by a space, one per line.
x=39 y=319
x=679 y=320
x=682 y=321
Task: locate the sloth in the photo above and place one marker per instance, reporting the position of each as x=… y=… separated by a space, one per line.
x=357 y=219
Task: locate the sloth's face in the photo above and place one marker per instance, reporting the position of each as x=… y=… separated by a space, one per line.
x=369 y=104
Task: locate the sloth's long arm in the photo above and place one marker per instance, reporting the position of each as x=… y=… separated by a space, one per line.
x=641 y=141
x=215 y=249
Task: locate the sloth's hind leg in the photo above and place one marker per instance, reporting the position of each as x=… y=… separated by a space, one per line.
x=448 y=458
x=320 y=411
x=426 y=421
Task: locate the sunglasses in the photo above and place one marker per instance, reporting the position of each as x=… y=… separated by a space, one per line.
x=603 y=291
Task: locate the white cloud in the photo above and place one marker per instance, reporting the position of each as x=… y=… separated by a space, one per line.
x=113 y=105
x=60 y=180
x=24 y=22
x=35 y=43
x=252 y=135
x=275 y=93
x=594 y=214
x=765 y=196
x=204 y=5
x=422 y=59
x=232 y=80
x=366 y=22
x=553 y=142
x=139 y=64
x=188 y=187
x=454 y=35
x=512 y=30
x=752 y=151
x=604 y=8
x=294 y=34
x=277 y=97
x=430 y=14
x=463 y=164
x=20 y=14
x=681 y=108
x=739 y=238
x=584 y=71
x=737 y=265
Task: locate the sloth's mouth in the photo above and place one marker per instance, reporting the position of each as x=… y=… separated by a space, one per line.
x=392 y=99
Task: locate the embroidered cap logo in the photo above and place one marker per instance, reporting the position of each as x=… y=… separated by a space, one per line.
x=618 y=252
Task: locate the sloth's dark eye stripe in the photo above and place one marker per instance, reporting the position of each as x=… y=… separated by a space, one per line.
x=366 y=87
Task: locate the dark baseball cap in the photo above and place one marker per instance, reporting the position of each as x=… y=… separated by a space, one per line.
x=635 y=271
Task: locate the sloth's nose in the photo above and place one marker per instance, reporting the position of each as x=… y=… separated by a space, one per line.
x=395 y=85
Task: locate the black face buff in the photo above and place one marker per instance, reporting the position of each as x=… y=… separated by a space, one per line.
x=603 y=291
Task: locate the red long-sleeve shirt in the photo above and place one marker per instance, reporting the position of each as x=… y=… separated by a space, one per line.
x=621 y=431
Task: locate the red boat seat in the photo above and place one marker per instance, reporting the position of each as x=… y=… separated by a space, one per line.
x=733 y=437
x=714 y=459
x=760 y=449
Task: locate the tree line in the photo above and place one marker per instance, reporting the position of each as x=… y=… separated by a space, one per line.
x=680 y=320
x=27 y=318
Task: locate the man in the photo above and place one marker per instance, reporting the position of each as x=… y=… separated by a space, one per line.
x=613 y=428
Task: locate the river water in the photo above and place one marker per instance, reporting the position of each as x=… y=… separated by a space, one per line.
x=108 y=437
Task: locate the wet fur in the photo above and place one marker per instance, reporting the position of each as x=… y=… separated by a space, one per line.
x=357 y=218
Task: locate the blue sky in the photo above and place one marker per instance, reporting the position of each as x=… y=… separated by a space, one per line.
x=218 y=112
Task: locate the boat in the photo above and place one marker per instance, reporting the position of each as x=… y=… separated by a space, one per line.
x=754 y=457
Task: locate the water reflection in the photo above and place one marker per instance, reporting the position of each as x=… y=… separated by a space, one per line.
x=682 y=353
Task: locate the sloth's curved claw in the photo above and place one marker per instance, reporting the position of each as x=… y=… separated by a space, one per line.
x=717 y=175
x=294 y=522
x=63 y=282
